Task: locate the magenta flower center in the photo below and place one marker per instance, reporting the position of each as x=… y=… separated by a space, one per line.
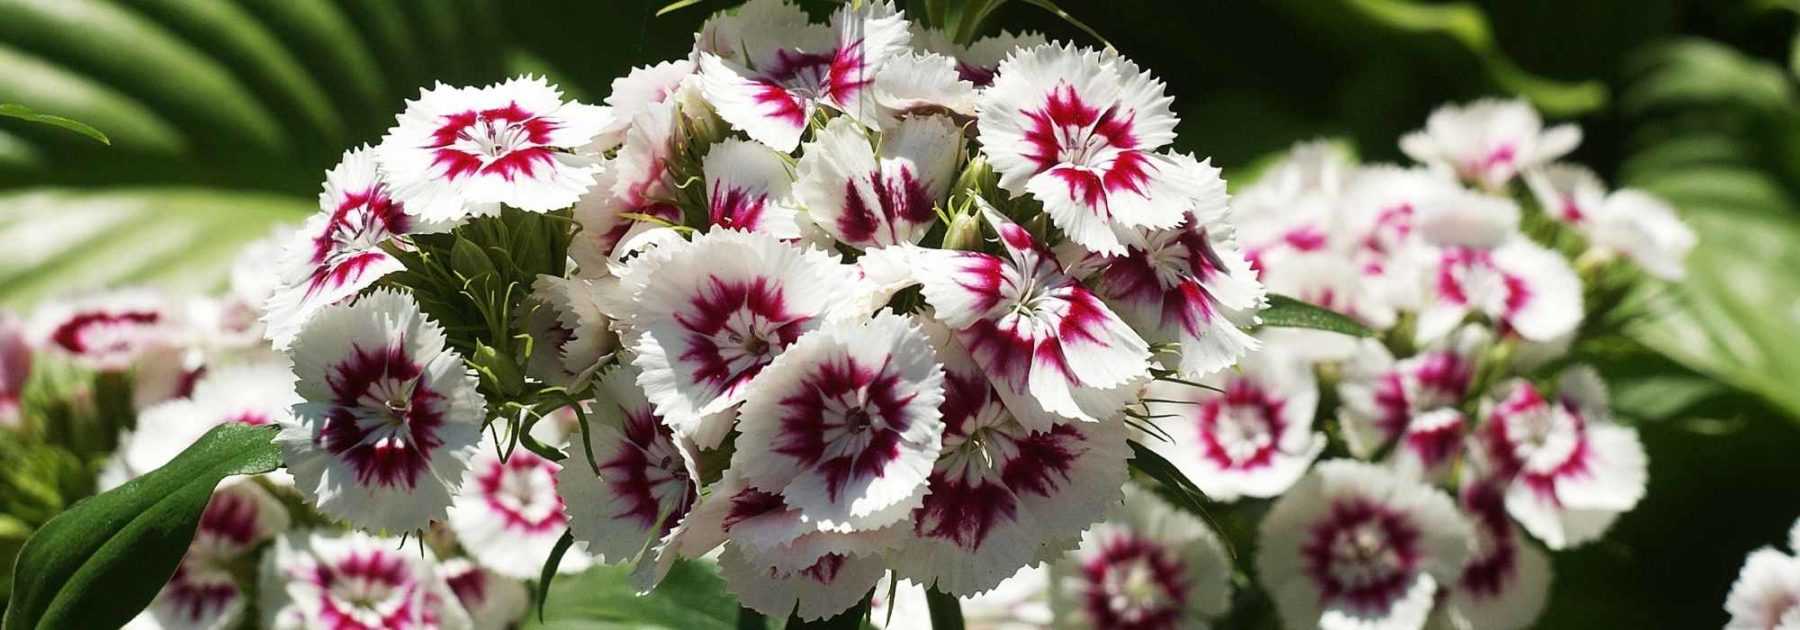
x=385 y=418
x=649 y=474
x=1134 y=583
x=736 y=328
x=1242 y=428
x=1362 y=554
x=847 y=420
x=522 y=491
x=104 y=332
x=505 y=141
x=368 y=589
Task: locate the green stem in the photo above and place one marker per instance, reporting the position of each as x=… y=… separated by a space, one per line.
x=946 y=611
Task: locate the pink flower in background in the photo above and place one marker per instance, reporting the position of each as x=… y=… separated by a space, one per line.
x=113 y=330
x=255 y=394
x=1568 y=471
x=765 y=69
x=1634 y=223
x=1385 y=400
x=1252 y=437
x=714 y=313
x=390 y=418
x=340 y=251
x=458 y=152
x=355 y=581
x=1488 y=142
x=205 y=591
x=1149 y=566
x=630 y=501
x=867 y=199
x=1766 y=594
x=15 y=368
x=1050 y=346
x=1080 y=131
x=1507 y=582
x=1519 y=286
x=509 y=514
x=491 y=600
x=1001 y=496
x=1356 y=546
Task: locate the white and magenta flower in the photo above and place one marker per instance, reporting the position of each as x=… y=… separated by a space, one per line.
x=1383 y=400
x=640 y=90
x=977 y=62
x=867 y=200
x=715 y=312
x=206 y=593
x=340 y=251
x=1507 y=582
x=509 y=515
x=492 y=601
x=1149 y=567
x=1001 y=496
x=1356 y=546
x=251 y=394
x=1079 y=130
x=1631 y=222
x=1050 y=346
x=390 y=418
x=1252 y=437
x=1189 y=285
x=766 y=70
x=113 y=331
x=15 y=368
x=1021 y=602
x=572 y=338
x=458 y=152
x=1568 y=471
x=1766 y=595
x=845 y=425
x=355 y=581
x=630 y=501
x=748 y=188
x=915 y=84
x=1520 y=286
x=1489 y=141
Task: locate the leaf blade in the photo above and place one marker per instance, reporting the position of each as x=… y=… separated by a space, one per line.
x=1287 y=312
x=21 y=112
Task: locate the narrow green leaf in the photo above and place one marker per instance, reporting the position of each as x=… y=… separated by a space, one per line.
x=101 y=562
x=548 y=574
x=851 y=619
x=1287 y=312
x=946 y=611
x=1050 y=5
x=1178 y=486
x=21 y=112
x=677 y=5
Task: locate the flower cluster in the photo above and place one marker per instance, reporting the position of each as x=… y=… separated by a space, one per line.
x=1767 y=591
x=839 y=305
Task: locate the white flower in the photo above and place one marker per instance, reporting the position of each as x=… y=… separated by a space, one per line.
x=339 y=251
x=491 y=601
x=845 y=424
x=458 y=152
x=630 y=501
x=913 y=84
x=977 y=62
x=1047 y=343
x=1519 y=286
x=205 y=593
x=1507 y=582
x=571 y=336
x=766 y=70
x=748 y=188
x=15 y=368
x=1766 y=595
x=390 y=416
x=1149 y=566
x=355 y=581
x=1189 y=285
x=1079 y=129
x=1632 y=222
x=640 y=90
x=1001 y=496
x=509 y=515
x=1253 y=437
x=1355 y=546
x=253 y=394
x=1488 y=141
x=113 y=331
x=715 y=312
x=1568 y=470
x=1384 y=400
x=865 y=199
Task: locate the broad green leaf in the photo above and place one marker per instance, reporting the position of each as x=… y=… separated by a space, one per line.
x=58 y=241
x=21 y=112
x=691 y=597
x=1287 y=312
x=98 y=564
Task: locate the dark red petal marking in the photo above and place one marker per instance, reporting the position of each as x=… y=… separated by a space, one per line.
x=399 y=459
x=981 y=76
x=470 y=586
x=513 y=141
x=1382 y=577
x=881 y=423
x=492 y=480
x=648 y=459
x=1045 y=460
x=736 y=208
x=72 y=333
x=376 y=575
x=902 y=200
x=713 y=309
x=849 y=73
x=195 y=600
x=230 y=516
x=1125 y=553
x=1063 y=108
x=1492 y=570
x=963 y=511
x=1245 y=396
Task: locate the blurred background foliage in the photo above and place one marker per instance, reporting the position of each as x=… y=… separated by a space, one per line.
x=224 y=113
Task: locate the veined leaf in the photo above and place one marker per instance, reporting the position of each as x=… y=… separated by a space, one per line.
x=1287 y=312
x=691 y=597
x=98 y=564
x=21 y=112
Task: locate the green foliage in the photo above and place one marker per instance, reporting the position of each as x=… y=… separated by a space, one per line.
x=98 y=564
x=22 y=112
x=1287 y=312
x=692 y=597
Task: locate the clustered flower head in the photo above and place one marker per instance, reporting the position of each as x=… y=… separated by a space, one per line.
x=845 y=303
